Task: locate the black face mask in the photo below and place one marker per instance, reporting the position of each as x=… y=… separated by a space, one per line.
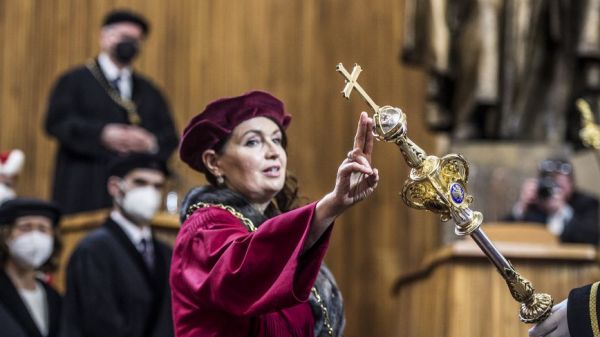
x=126 y=51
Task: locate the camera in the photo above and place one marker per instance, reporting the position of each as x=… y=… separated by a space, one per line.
x=548 y=168
x=547 y=186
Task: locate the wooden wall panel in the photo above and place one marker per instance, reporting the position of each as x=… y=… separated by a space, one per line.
x=201 y=50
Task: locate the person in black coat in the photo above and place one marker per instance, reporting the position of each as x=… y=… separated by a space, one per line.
x=117 y=277
x=552 y=200
x=29 y=307
x=103 y=110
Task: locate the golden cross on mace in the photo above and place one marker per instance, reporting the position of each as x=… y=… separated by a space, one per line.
x=390 y=122
x=351 y=83
x=439 y=185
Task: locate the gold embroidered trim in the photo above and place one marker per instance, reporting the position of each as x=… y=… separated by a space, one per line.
x=251 y=228
x=129 y=105
x=593 y=313
x=247 y=222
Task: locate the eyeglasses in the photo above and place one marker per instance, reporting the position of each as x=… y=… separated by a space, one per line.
x=555 y=166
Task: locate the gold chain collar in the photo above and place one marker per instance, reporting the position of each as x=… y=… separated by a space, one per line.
x=127 y=104
x=251 y=228
x=247 y=222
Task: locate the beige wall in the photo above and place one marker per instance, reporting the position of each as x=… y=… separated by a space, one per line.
x=201 y=50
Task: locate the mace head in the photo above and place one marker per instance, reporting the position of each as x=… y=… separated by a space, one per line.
x=390 y=124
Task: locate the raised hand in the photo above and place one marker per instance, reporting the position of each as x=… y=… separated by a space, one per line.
x=356 y=179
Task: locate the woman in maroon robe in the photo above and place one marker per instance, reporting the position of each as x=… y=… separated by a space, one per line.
x=245 y=262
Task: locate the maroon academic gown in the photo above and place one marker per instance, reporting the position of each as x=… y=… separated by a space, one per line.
x=227 y=281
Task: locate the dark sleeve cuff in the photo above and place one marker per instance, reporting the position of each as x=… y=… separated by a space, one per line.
x=582 y=311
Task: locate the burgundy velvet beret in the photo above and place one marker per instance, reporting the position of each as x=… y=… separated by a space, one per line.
x=220 y=117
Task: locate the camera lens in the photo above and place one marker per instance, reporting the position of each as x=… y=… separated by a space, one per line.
x=546 y=187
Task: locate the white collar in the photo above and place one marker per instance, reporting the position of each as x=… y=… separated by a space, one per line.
x=110 y=69
x=134 y=233
x=556 y=222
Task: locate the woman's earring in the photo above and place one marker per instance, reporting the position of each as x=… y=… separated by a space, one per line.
x=220 y=180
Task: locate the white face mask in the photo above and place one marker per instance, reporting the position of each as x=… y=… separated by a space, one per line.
x=141 y=203
x=31 y=249
x=6 y=193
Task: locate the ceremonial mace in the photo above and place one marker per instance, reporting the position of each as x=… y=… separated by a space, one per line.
x=439 y=185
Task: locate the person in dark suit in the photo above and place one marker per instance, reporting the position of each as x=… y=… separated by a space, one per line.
x=102 y=110
x=117 y=277
x=29 y=306
x=553 y=200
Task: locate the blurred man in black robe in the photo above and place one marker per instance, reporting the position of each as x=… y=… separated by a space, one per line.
x=117 y=277
x=103 y=110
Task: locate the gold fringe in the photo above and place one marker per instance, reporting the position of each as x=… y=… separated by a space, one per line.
x=593 y=313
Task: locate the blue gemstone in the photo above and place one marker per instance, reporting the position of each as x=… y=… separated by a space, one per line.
x=457 y=193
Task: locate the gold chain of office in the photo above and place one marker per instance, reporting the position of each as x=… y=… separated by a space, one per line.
x=130 y=107
x=251 y=228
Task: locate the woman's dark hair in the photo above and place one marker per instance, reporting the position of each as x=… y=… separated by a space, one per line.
x=50 y=265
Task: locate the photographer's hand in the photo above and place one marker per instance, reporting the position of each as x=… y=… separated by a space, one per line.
x=527 y=197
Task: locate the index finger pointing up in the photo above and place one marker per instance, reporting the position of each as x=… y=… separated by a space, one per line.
x=368 y=146
x=360 y=137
